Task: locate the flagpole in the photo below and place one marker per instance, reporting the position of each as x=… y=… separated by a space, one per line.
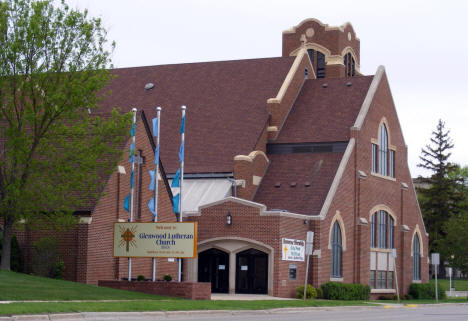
x=182 y=137
x=156 y=182
x=134 y=110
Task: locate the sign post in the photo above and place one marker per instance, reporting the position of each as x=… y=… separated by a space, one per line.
x=396 y=274
x=450 y=275
x=308 y=251
x=435 y=260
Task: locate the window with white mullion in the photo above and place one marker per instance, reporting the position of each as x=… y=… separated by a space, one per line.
x=382 y=229
x=373 y=227
x=392 y=164
x=416 y=259
x=383 y=151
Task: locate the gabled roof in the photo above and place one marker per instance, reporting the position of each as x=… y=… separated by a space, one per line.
x=325 y=110
x=225 y=106
x=298 y=183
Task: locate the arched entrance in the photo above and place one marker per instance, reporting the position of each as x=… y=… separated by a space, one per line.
x=213 y=266
x=252 y=272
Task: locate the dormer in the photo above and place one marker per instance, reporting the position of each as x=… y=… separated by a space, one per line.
x=333 y=51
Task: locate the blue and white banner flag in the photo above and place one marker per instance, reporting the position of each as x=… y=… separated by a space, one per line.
x=131 y=178
x=151 y=206
x=182 y=126
x=155 y=127
x=132 y=131
x=127 y=203
x=181 y=152
x=176 y=179
x=156 y=155
x=175 y=203
x=153 y=181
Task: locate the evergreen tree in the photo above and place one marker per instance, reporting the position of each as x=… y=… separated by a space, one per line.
x=442 y=199
x=453 y=245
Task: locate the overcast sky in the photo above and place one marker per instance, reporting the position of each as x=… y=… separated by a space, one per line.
x=420 y=43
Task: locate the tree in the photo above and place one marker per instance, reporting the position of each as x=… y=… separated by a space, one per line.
x=453 y=245
x=442 y=199
x=54 y=151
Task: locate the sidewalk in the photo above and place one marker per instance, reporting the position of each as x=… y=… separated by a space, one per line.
x=247 y=297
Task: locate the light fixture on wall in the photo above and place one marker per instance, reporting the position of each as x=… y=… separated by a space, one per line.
x=228 y=218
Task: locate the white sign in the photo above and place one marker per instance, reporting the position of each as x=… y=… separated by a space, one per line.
x=309 y=243
x=293 y=250
x=435 y=259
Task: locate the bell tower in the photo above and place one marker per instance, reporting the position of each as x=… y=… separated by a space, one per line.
x=333 y=51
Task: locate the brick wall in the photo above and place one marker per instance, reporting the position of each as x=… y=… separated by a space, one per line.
x=186 y=290
x=248 y=224
x=332 y=38
x=101 y=265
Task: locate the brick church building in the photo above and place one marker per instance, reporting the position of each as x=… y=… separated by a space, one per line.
x=275 y=147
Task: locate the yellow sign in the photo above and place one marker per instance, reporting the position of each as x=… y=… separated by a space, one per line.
x=155 y=240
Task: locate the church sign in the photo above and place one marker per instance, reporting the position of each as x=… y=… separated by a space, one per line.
x=293 y=250
x=155 y=240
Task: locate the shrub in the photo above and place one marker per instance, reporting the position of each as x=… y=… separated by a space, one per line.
x=426 y=291
x=345 y=291
x=45 y=259
x=141 y=278
x=311 y=292
x=15 y=254
x=167 y=278
x=58 y=270
x=319 y=293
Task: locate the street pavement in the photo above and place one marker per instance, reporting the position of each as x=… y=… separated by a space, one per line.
x=445 y=312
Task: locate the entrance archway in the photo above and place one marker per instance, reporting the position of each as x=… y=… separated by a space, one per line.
x=213 y=266
x=252 y=272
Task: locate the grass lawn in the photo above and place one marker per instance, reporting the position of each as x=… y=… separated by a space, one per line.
x=19 y=286
x=458 y=284
x=163 y=305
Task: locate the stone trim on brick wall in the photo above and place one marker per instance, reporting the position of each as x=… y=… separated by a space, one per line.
x=369 y=97
x=337 y=179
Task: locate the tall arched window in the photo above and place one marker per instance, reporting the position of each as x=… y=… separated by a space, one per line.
x=416 y=258
x=383 y=150
x=349 y=65
x=318 y=62
x=383 y=158
x=382 y=230
x=336 y=247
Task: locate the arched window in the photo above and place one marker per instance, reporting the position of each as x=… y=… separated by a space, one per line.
x=383 y=150
x=416 y=258
x=336 y=251
x=349 y=65
x=383 y=158
x=382 y=230
x=318 y=62
x=381 y=237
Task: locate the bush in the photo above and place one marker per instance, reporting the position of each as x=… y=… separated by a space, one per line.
x=345 y=291
x=58 y=270
x=319 y=293
x=46 y=262
x=15 y=254
x=311 y=292
x=167 y=278
x=141 y=278
x=426 y=291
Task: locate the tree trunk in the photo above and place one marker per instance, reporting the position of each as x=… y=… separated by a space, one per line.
x=6 y=245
